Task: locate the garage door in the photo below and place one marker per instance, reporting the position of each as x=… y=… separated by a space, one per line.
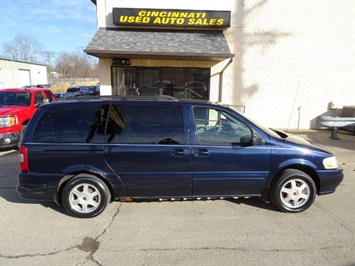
x=24 y=77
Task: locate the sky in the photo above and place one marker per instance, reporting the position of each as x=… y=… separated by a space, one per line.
x=59 y=25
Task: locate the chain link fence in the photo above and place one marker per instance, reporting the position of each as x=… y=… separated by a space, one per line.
x=54 y=81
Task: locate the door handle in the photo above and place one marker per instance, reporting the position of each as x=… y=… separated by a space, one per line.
x=202 y=152
x=177 y=152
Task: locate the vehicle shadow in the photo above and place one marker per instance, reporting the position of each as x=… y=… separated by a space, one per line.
x=254 y=202
x=10 y=194
x=9 y=167
x=7 y=150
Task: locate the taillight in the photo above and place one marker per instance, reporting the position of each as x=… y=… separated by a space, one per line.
x=23 y=159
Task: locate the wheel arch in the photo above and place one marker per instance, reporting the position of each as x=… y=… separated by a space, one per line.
x=301 y=167
x=62 y=183
x=25 y=122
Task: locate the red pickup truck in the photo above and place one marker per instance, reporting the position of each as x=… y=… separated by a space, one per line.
x=17 y=106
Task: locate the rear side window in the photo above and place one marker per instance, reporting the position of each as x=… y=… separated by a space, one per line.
x=73 y=90
x=145 y=124
x=72 y=124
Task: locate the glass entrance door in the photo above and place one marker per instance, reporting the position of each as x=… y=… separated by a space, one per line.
x=123 y=81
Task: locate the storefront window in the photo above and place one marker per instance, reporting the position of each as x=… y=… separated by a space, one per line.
x=198 y=83
x=148 y=81
x=185 y=83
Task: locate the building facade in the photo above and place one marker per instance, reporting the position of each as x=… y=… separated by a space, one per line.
x=283 y=62
x=17 y=74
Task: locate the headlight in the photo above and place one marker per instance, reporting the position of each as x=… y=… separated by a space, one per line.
x=330 y=163
x=8 y=121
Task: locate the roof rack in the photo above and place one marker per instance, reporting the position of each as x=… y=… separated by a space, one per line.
x=142 y=97
x=119 y=97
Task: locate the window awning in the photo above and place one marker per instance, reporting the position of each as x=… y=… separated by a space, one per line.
x=210 y=46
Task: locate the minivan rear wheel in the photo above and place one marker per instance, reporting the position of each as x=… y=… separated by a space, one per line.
x=85 y=196
x=294 y=191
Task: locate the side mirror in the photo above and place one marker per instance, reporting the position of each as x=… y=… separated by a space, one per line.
x=44 y=101
x=251 y=140
x=247 y=140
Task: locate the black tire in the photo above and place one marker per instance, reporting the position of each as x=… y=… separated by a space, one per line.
x=294 y=191
x=85 y=196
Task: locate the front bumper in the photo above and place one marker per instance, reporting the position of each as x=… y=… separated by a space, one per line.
x=8 y=140
x=329 y=180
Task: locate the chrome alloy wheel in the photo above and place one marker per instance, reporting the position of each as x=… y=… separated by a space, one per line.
x=295 y=193
x=84 y=198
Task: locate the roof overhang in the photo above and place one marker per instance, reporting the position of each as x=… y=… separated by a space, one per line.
x=159 y=45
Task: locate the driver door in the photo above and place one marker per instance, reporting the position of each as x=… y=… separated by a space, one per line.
x=224 y=160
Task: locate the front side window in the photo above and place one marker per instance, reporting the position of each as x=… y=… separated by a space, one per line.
x=38 y=98
x=145 y=124
x=218 y=127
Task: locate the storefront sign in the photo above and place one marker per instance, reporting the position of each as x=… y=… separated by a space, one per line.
x=170 y=18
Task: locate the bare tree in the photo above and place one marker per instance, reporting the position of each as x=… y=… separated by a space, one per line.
x=76 y=65
x=49 y=59
x=67 y=64
x=23 y=48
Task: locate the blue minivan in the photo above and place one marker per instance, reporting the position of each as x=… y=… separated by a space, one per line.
x=85 y=153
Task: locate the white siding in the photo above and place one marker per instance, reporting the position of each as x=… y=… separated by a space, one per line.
x=38 y=74
x=292 y=59
x=11 y=77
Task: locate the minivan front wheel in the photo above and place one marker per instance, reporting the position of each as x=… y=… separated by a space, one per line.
x=85 y=196
x=294 y=191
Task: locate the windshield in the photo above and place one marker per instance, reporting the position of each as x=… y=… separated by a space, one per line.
x=15 y=98
x=267 y=130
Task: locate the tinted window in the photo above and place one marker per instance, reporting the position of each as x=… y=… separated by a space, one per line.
x=73 y=90
x=15 y=98
x=145 y=124
x=72 y=124
x=49 y=95
x=214 y=126
x=39 y=98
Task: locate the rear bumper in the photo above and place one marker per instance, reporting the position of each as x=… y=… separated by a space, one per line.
x=38 y=187
x=329 y=180
x=8 y=140
x=36 y=193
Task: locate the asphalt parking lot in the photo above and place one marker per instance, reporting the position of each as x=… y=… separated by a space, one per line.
x=211 y=232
